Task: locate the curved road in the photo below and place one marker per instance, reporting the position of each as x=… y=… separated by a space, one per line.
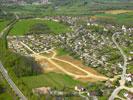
x=5 y=73
x=124 y=67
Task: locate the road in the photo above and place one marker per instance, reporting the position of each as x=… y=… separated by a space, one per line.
x=5 y=72
x=124 y=68
x=89 y=74
x=11 y=83
x=79 y=68
x=6 y=28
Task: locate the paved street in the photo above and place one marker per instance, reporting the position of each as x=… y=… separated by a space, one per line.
x=124 y=68
x=7 y=27
x=11 y=83
x=5 y=73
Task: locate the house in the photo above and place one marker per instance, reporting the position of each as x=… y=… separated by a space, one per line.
x=108 y=84
x=55 y=20
x=130 y=58
x=129 y=96
x=124 y=28
x=88 y=24
x=79 y=88
x=105 y=29
x=131 y=52
x=129 y=77
x=93 y=93
x=119 y=64
x=42 y=90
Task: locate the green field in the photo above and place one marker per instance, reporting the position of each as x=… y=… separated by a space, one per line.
x=6 y=96
x=7 y=93
x=61 y=52
x=51 y=80
x=121 y=19
x=69 y=7
x=24 y=26
x=3 y=24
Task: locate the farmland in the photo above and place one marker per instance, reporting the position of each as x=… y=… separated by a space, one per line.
x=121 y=18
x=70 y=7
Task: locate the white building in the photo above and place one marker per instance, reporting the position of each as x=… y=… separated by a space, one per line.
x=44 y=1
x=124 y=28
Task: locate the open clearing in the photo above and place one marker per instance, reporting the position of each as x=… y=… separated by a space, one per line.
x=24 y=26
x=84 y=74
x=50 y=79
x=69 y=68
x=117 y=11
x=47 y=66
x=75 y=70
x=79 y=63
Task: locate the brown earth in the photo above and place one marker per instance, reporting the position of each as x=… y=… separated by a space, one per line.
x=70 y=68
x=79 y=64
x=48 y=67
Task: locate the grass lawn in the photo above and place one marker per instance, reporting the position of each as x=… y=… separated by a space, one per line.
x=50 y=79
x=3 y=24
x=103 y=98
x=23 y=26
x=61 y=52
x=130 y=69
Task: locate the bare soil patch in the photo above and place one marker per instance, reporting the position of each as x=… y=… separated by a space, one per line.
x=52 y=63
x=89 y=79
x=69 y=68
x=79 y=64
x=48 y=67
x=117 y=11
x=49 y=54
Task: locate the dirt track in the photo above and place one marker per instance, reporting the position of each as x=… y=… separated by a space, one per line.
x=51 y=60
